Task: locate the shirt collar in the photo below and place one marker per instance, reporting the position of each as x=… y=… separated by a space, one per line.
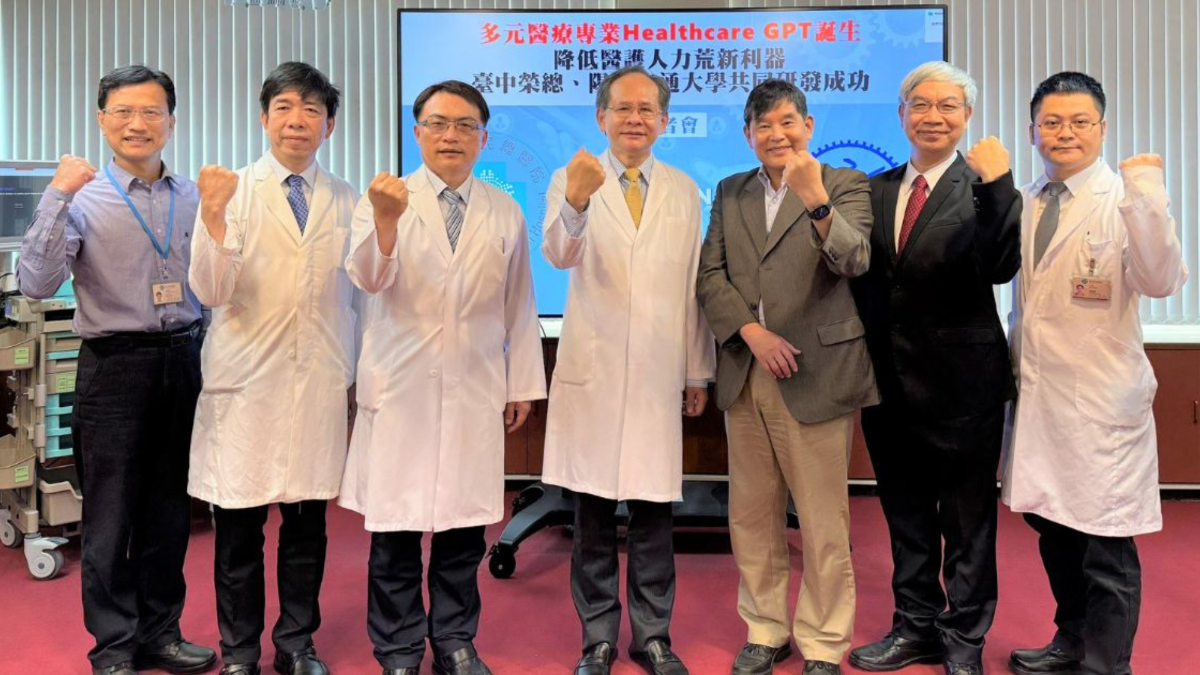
x=646 y=168
x=127 y=180
x=932 y=175
x=1074 y=183
x=438 y=184
x=282 y=172
x=766 y=181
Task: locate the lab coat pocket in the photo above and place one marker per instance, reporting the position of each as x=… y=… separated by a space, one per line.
x=229 y=352
x=1114 y=384
x=576 y=358
x=1097 y=258
x=677 y=242
x=370 y=388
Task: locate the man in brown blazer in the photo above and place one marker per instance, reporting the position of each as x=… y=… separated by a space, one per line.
x=783 y=242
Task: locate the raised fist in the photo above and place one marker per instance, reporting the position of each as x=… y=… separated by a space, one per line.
x=216 y=185
x=1137 y=160
x=585 y=175
x=389 y=197
x=988 y=158
x=802 y=174
x=72 y=174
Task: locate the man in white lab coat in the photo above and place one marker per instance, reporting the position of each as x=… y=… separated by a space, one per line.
x=635 y=349
x=1083 y=462
x=277 y=362
x=451 y=358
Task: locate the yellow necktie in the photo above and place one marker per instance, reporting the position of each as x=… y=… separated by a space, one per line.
x=633 y=195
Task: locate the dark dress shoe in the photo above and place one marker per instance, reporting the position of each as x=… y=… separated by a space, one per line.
x=956 y=668
x=596 y=660
x=180 y=657
x=1049 y=659
x=240 y=669
x=894 y=652
x=759 y=659
x=303 y=662
x=123 y=668
x=822 y=667
x=460 y=662
x=658 y=659
x=401 y=671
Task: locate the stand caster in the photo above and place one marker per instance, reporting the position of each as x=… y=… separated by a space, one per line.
x=8 y=532
x=502 y=561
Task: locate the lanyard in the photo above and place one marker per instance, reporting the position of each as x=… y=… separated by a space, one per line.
x=165 y=249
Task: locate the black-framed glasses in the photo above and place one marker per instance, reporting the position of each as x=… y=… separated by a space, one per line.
x=440 y=125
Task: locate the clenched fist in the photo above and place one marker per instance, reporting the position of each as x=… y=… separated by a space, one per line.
x=389 y=198
x=802 y=174
x=72 y=174
x=988 y=158
x=1138 y=160
x=216 y=186
x=585 y=175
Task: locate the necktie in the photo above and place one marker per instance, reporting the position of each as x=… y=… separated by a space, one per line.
x=916 y=201
x=296 y=200
x=633 y=195
x=1048 y=223
x=454 y=216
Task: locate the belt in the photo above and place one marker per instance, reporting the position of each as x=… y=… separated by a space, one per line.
x=175 y=338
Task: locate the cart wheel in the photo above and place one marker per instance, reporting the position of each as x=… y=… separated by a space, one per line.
x=502 y=563
x=9 y=535
x=46 y=565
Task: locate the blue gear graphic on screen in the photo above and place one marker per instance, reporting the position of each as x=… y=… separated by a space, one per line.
x=867 y=158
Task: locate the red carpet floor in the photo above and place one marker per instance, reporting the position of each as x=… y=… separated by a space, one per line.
x=529 y=624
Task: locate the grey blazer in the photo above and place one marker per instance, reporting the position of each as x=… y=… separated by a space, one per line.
x=804 y=286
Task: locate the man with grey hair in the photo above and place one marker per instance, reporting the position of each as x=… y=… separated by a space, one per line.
x=634 y=352
x=947 y=229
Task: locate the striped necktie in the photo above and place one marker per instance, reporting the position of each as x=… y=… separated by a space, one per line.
x=454 y=216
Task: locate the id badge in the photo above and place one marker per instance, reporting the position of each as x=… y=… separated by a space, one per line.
x=167 y=293
x=1091 y=288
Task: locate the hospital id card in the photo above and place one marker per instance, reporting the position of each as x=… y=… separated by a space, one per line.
x=1091 y=288
x=167 y=293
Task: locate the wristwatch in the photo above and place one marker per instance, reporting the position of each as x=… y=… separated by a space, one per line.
x=821 y=212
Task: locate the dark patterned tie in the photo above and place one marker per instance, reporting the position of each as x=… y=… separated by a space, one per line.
x=296 y=200
x=454 y=216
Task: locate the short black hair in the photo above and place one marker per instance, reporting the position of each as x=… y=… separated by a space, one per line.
x=130 y=75
x=768 y=94
x=604 y=91
x=458 y=88
x=1067 y=82
x=303 y=79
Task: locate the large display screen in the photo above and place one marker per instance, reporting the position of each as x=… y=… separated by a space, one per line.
x=21 y=188
x=539 y=72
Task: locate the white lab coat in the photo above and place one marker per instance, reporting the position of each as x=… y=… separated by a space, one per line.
x=1083 y=451
x=279 y=355
x=633 y=335
x=451 y=337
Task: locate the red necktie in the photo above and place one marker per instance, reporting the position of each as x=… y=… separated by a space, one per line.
x=916 y=201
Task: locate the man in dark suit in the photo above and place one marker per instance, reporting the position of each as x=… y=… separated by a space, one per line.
x=946 y=230
x=783 y=241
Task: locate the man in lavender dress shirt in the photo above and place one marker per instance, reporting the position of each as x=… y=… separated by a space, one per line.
x=124 y=232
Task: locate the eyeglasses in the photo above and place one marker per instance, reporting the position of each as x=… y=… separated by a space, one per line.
x=440 y=125
x=645 y=112
x=126 y=113
x=1079 y=126
x=920 y=106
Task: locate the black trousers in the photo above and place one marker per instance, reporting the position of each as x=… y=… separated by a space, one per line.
x=396 y=619
x=937 y=484
x=135 y=399
x=238 y=573
x=1097 y=585
x=650 y=572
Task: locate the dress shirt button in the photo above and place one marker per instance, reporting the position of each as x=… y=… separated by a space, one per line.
x=291 y=353
x=433 y=373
